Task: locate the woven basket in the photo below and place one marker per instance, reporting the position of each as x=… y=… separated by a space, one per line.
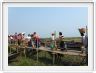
x=82 y=30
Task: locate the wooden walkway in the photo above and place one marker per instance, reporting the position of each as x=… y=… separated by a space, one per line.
x=68 y=52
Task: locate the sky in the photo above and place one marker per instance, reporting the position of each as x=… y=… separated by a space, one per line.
x=46 y=20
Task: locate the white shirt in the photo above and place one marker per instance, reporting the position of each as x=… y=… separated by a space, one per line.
x=28 y=38
x=53 y=38
x=11 y=38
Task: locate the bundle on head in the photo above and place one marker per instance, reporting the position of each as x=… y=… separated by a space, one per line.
x=82 y=30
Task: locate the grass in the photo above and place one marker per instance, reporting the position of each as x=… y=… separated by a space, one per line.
x=76 y=39
x=45 y=59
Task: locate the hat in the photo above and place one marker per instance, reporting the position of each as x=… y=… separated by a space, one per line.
x=23 y=32
x=52 y=33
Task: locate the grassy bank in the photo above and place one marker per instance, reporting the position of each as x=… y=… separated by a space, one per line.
x=45 y=59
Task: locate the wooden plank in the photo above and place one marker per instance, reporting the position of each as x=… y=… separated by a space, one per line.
x=12 y=56
x=69 y=52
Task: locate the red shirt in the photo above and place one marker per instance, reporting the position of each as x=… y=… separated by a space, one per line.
x=36 y=37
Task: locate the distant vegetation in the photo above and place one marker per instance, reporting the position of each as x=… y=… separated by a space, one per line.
x=75 y=39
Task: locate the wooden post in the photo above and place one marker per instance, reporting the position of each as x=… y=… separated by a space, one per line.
x=25 y=51
x=86 y=31
x=37 y=51
x=53 y=58
x=55 y=41
x=10 y=50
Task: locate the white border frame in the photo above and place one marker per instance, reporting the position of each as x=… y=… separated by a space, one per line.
x=0 y=36
x=47 y=1
x=95 y=35
x=44 y=69
x=45 y=72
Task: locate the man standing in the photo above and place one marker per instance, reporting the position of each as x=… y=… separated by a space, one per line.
x=36 y=39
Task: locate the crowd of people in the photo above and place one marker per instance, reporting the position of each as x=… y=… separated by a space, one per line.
x=62 y=44
x=20 y=38
x=33 y=40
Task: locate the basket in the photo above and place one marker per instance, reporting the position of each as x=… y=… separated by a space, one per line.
x=82 y=30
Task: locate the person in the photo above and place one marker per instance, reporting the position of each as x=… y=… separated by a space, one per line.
x=53 y=41
x=36 y=39
x=28 y=39
x=60 y=34
x=15 y=37
x=86 y=42
x=62 y=47
x=23 y=37
x=86 y=47
x=53 y=37
x=19 y=38
x=32 y=41
x=9 y=39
